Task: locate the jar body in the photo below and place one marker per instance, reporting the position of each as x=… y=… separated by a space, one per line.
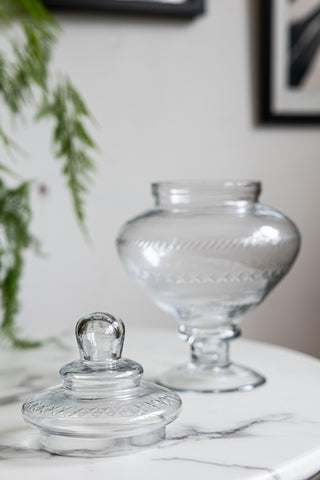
x=207 y=254
x=208 y=261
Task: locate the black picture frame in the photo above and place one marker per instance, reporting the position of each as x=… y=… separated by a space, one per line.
x=186 y=9
x=268 y=114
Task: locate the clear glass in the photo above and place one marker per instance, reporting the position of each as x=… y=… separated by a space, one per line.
x=103 y=407
x=207 y=254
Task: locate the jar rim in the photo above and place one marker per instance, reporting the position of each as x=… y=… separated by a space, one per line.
x=205 y=192
x=224 y=183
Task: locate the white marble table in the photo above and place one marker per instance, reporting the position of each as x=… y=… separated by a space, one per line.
x=272 y=432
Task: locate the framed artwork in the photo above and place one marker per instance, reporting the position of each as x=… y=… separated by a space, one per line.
x=176 y=8
x=291 y=61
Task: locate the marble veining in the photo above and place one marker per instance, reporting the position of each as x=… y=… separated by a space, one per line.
x=234 y=466
x=194 y=433
x=271 y=433
x=187 y=434
x=8 y=452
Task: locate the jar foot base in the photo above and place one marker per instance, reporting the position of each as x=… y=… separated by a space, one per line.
x=198 y=378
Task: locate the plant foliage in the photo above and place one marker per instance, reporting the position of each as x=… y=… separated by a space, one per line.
x=26 y=81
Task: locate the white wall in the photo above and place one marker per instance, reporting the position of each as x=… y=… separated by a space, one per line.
x=173 y=99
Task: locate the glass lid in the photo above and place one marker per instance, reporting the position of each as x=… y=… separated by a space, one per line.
x=103 y=406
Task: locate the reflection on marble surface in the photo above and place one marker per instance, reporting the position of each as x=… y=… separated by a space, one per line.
x=272 y=432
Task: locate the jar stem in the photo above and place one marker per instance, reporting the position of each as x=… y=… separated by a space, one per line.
x=211 y=349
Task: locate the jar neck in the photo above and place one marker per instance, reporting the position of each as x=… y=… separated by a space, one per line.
x=204 y=194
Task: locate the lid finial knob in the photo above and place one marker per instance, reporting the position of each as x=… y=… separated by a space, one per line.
x=100 y=337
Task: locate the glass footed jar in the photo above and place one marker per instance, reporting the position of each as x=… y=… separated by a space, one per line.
x=103 y=406
x=208 y=253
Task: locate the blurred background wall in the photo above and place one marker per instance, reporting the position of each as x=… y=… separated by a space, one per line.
x=172 y=99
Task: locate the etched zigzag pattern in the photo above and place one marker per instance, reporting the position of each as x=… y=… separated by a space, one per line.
x=220 y=244
x=202 y=278
x=138 y=408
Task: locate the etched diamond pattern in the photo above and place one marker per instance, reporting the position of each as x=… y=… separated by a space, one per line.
x=153 y=404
